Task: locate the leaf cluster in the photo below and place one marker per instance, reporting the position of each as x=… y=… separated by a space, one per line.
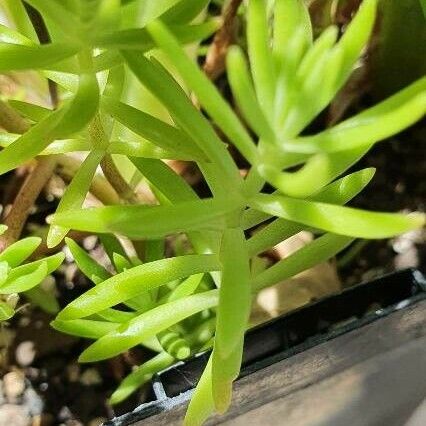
x=198 y=297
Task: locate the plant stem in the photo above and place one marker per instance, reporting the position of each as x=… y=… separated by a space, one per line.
x=21 y=207
x=100 y=188
x=11 y=121
x=214 y=65
x=113 y=175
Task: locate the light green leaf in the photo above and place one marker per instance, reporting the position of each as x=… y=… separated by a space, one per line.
x=317 y=172
x=261 y=60
x=201 y=405
x=16 y=253
x=16 y=57
x=339 y=192
x=205 y=90
x=232 y=316
x=184 y=11
x=185 y=288
x=316 y=252
x=140 y=40
x=89 y=329
x=162 y=85
x=340 y=220
x=32 y=111
x=6 y=311
x=44 y=299
x=85 y=263
x=132 y=282
x=174 y=343
x=154 y=130
x=147 y=325
x=356 y=37
x=164 y=179
x=24 y=282
x=244 y=94
x=289 y=16
x=140 y=376
x=152 y=222
x=367 y=128
x=75 y=194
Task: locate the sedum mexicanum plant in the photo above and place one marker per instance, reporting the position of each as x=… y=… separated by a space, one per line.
x=195 y=296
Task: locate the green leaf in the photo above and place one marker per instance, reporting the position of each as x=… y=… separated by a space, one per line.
x=205 y=90
x=92 y=329
x=16 y=253
x=8 y=35
x=184 y=11
x=244 y=94
x=290 y=15
x=367 y=128
x=152 y=222
x=16 y=57
x=82 y=108
x=356 y=37
x=164 y=179
x=232 y=316
x=185 y=288
x=224 y=372
x=154 y=130
x=59 y=124
x=174 y=344
x=75 y=194
x=45 y=300
x=140 y=376
x=20 y=18
x=201 y=405
x=85 y=263
x=6 y=311
x=340 y=220
x=24 y=282
x=317 y=172
x=56 y=12
x=316 y=252
x=89 y=329
x=121 y=263
x=30 y=143
x=261 y=60
x=234 y=294
x=339 y=192
x=4 y=272
x=147 y=325
x=162 y=85
x=140 y=40
x=32 y=111
x=132 y=282
x=27 y=276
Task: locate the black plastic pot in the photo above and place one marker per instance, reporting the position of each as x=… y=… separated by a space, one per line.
x=290 y=334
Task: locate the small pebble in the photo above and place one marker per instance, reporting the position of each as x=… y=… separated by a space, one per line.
x=90 y=377
x=73 y=372
x=13 y=385
x=96 y=422
x=14 y=415
x=33 y=402
x=25 y=353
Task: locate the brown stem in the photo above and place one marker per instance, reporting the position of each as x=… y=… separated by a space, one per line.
x=214 y=65
x=21 y=207
x=11 y=121
x=117 y=181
